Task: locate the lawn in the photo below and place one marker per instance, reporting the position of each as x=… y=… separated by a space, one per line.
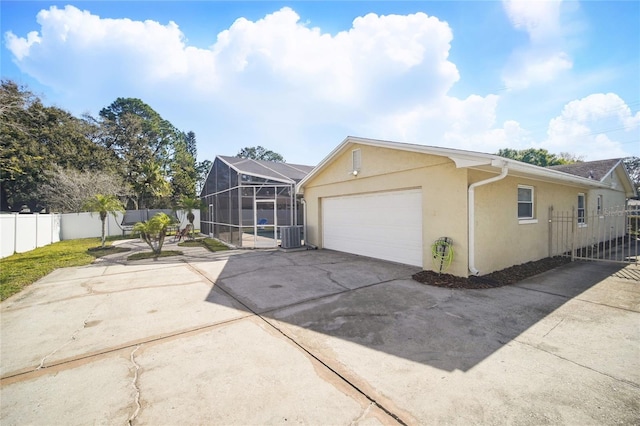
x=208 y=243
x=22 y=269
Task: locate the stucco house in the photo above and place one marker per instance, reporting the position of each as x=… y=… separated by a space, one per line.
x=392 y=200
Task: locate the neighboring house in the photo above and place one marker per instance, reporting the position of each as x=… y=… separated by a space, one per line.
x=392 y=200
x=246 y=202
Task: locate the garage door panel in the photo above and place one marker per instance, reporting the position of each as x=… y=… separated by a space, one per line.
x=382 y=225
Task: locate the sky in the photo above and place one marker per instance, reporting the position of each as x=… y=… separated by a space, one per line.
x=299 y=77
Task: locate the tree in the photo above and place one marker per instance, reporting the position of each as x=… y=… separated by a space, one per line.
x=150 y=186
x=202 y=169
x=633 y=168
x=260 y=153
x=104 y=205
x=190 y=204
x=190 y=141
x=66 y=190
x=184 y=173
x=153 y=231
x=34 y=139
x=537 y=156
x=144 y=142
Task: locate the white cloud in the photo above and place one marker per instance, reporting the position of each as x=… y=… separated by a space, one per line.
x=268 y=78
x=20 y=46
x=284 y=84
x=544 y=58
x=595 y=127
x=540 y=19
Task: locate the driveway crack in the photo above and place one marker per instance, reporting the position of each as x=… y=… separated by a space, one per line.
x=362 y=415
x=43 y=360
x=134 y=384
x=72 y=339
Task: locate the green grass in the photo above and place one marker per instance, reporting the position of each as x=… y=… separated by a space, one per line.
x=22 y=269
x=152 y=255
x=208 y=243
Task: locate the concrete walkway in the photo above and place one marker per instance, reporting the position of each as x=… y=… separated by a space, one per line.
x=317 y=337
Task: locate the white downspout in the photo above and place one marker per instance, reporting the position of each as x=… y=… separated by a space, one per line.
x=472 y=214
x=304 y=220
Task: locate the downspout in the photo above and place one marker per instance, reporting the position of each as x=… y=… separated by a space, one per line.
x=304 y=219
x=472 y=213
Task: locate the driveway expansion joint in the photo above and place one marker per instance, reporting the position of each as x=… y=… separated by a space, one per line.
x=578 y=299
x=311 y=354
x=617 y=379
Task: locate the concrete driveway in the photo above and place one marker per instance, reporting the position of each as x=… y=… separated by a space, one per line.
x=317 y=337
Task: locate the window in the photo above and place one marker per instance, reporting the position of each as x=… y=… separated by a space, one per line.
x=581 y=209
x=356 y=160
x=525 y=202
x=599 y=205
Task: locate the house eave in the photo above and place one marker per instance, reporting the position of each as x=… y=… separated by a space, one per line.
x=462 y=159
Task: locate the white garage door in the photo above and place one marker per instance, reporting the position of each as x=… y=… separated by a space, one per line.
x=386 y=225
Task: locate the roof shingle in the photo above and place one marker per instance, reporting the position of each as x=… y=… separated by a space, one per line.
x=596 y=170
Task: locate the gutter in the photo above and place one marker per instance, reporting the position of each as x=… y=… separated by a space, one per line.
x=472 y=211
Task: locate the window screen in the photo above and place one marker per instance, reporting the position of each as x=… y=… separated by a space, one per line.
x=525 y=202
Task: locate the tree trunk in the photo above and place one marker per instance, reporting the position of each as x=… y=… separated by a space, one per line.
x=104 y=222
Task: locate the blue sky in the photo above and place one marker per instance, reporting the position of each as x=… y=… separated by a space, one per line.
x=298 y=77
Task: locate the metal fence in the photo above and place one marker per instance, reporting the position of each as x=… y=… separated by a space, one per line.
x=607 y=235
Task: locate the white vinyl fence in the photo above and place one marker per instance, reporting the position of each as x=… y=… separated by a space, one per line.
x=24 y=232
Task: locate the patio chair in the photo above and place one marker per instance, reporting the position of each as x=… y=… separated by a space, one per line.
x=183 y=233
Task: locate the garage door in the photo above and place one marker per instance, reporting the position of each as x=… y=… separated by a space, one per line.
x=386 y=225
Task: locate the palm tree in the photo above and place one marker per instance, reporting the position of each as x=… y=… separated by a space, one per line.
x=153 y=231
x=190 y=204
x=104 y=205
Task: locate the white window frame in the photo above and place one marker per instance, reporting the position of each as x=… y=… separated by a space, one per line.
x=582 y=220
x=600 y=205
x=523 y=220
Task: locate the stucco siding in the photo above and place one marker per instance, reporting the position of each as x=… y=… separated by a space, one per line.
x=443 y=186
x=502 y=240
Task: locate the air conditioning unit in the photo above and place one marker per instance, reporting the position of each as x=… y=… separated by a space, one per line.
x=290 y=237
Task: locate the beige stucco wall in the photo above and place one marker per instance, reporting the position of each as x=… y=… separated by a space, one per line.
x=444 y=194
x=501 y=239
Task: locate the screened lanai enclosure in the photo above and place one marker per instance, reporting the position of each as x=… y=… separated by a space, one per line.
x=248 y=202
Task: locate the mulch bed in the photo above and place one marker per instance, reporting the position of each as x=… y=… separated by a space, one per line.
x=501 y=278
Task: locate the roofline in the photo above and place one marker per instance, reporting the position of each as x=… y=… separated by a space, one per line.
x=288 y=180
x=634 y=192
x=611 y=169
x=462 y=159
